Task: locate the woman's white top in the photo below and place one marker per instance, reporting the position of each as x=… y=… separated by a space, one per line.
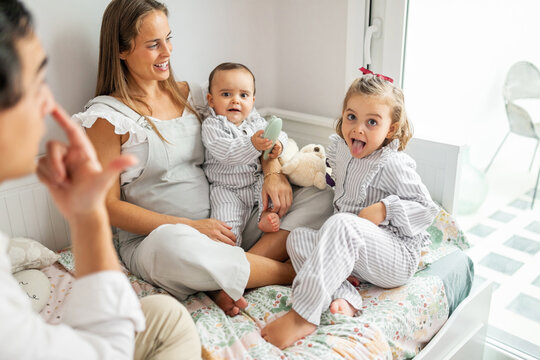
x=100 y=318
x=137 y=143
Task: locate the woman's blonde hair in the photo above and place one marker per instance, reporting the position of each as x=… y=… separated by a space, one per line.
x=120 y=25
x=376 y=86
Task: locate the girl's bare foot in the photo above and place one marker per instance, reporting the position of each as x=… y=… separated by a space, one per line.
x=354 y=281
x=342 y=306
x=226 y=303
x=284 y=331
x=269 y=222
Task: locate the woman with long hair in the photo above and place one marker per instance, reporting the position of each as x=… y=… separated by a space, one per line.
x=161 y=207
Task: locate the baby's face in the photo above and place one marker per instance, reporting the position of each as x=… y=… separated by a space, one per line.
x=232 y=94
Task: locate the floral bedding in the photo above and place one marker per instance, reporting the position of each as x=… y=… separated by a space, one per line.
x=393 y=324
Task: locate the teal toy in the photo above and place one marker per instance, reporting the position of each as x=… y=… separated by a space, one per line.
x=272 y=132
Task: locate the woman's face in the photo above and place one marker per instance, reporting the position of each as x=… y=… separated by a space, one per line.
x=148 y=60
x=22 y=125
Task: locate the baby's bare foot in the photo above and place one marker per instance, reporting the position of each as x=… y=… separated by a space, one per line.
x=269 y=222
x=284 y=331
x=226 y=303
x=342 y=306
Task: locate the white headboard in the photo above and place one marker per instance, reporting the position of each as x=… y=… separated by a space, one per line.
x=27 y=210
x=439 y=166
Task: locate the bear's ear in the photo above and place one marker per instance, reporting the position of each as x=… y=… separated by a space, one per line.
x=308 y=148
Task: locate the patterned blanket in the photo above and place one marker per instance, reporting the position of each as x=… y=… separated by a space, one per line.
x=393 y=324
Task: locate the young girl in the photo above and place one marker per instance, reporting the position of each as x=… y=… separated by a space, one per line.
x=381 y=212
x=232 y=137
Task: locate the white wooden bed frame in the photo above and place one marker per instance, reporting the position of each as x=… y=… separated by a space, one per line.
x=26 y=210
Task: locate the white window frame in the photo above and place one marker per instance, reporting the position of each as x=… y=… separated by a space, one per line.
x=388 y=44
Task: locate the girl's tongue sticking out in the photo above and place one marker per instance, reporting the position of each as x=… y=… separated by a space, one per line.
x=357 y=146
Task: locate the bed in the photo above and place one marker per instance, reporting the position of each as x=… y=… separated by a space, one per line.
x=433 y=316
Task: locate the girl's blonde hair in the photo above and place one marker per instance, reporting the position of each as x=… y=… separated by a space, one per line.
x=373 y=85
x=120 y=25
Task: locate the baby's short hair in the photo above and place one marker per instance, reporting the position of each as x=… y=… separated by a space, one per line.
x=229 y=66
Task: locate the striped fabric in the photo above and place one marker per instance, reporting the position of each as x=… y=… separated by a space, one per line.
x=233 y=168
x=234 y=206
x=230 y=157
x=386 y=255
x=386 y=175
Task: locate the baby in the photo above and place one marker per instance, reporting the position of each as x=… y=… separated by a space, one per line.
x=232 y=136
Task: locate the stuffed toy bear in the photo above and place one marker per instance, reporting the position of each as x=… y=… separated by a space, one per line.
x=306 y=167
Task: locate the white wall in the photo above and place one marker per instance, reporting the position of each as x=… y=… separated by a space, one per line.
x=205 y=33
x=297 y=49
x=310 y=56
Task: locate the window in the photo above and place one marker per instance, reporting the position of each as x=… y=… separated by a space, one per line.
x=452 y=62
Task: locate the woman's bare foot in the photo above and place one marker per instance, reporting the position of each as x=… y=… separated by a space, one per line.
x=226 y=303
x=342 y=306
x=284 y=331
x=269 y=222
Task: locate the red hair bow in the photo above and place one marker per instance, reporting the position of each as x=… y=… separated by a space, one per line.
x=366 y=71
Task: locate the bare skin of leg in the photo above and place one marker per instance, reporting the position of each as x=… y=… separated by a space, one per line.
x=272 y=245
x=263 y=271
x=284 y=331
x=342 y=306
x=269 y=222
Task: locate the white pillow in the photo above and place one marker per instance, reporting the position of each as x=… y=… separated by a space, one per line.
x=29 y=254
x=36 y=285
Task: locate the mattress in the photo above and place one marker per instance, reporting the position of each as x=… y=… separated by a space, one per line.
x=393 y=323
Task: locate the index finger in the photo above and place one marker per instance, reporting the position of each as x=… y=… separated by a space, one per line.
x=229 y=234
x=285 y=205
x=276 y=203
x=226 y=240
x=74 y=133
x=264 y=199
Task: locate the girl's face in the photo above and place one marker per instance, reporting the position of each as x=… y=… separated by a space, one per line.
x=23 y=125
x=148 y=60
x=232 y=94
x=366 y=123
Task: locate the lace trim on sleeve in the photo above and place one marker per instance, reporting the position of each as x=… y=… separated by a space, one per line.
x=121 y=123
x=332 y=148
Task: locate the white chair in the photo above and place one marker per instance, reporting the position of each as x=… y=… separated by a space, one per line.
x=522 y=82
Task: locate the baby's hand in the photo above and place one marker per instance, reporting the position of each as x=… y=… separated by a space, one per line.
x=259 y=142
x=276 y=150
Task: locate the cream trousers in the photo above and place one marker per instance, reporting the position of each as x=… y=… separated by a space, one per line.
x=170 y=332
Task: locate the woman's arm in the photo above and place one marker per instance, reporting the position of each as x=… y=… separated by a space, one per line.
x=276 y=187
x=131 y=217
x=78 y=184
